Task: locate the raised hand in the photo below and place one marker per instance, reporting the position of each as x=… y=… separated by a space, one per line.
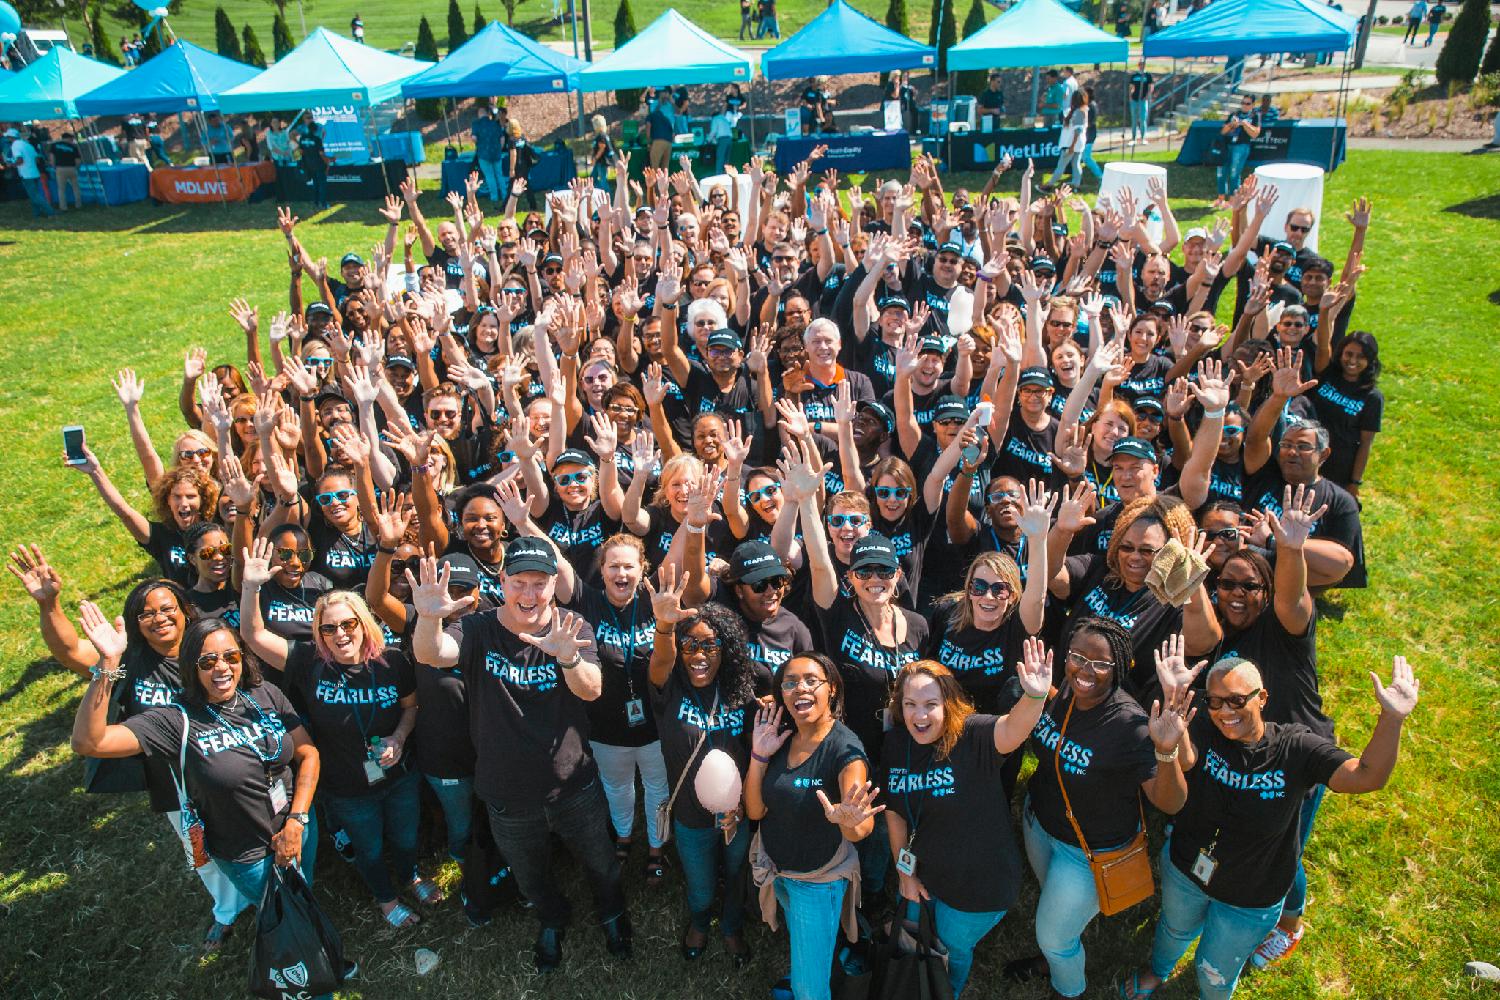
x=737 y=445
x=237 y=486
x=429 y=595
x=1035 y=669
x=1105 y=358
x=1358 y=215
x=1175 y=402
x=793 y=418
x=858 y=806
x=1036 y=510
x=666 y=603
x=1070 y=456
x=392 y=517
x=700 y=501
x=1072 y=513
x=654 y=384
x=1169 y=723
x=1211 y=390
x=129 y=388
x=1400 y=699
x=29 y=565
x=1297 y=518
x=767 y=737
x=643 y=454
x=194 y=362
x=108 y=637
x=1171 y=665
x=562 y=641
x=256 y=563
x=1287 y=380
x=512 y=504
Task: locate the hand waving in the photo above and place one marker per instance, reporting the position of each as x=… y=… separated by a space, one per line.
x=858 y=806
x=1400 y=699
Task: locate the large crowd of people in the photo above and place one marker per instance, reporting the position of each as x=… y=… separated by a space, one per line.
x=518 y=520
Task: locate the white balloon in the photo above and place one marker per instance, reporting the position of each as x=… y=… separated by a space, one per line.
x=717 y=782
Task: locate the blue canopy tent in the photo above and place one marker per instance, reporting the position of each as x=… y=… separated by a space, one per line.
x=49 y=87
x=497 y=61
x=1037 y=33
x=671 y=50
x=1256 y=27
x=183 y=77
x=841 y=40
x=326 y=69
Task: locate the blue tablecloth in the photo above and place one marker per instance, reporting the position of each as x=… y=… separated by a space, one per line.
x=860 y=152
x=1318 y=141
x=553 y=171
x=108 y=183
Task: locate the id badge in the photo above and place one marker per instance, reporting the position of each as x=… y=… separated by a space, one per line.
x=278 y=796
x=906 y=863
x=1204 y=867
x=373 y=771
x=635 y=712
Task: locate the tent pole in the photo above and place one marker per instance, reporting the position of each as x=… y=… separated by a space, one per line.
x=1036 y=87
x=750 y=102
x=203 y=138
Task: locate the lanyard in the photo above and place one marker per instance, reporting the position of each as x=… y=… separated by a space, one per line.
x=912 y=811
x=894 y=652
x=265 y=726
x=354 y=709
x=628 y=642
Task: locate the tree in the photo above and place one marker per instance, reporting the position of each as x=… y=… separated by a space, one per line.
x=281 y=37
x=457 y=33
x=1459 y=60
x=628 y=100
x=103 y=51
x=510 y=10
x=896 y=20
x=1491 y=62
x=942 y=32
x=428 y=109
x=972 y=81
x=226 y=39
x=254 y=55
x=479 y=21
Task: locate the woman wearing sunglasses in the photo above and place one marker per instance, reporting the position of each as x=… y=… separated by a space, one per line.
x=211 y=555
x=902 y=515
x=1094 y=746
x=1232 y=854
x=703 y=689
x=288 y=597
x=760 y=504
x=250 y=767
x=950 y=834
x=361 y=706
x=803 y=856
x=572 y=514
x=760 y=582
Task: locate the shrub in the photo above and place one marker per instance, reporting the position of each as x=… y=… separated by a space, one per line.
x=254 y=55
x=226 y=39
x=629 y=101
x=1461 y=54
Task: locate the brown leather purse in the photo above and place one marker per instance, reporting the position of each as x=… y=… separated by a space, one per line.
x=1122 y=877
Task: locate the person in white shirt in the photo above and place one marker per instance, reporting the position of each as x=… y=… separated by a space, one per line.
x=24 y=157
x=721 y=133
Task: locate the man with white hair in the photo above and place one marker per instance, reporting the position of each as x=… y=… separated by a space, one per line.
x=823 y=375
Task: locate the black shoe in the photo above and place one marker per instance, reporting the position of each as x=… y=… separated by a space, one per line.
x=1024 y=970
x=692 y=951
x=742 y=955
x=548 y=950
x=617 y=936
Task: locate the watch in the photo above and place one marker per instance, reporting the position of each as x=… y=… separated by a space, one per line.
x=302 y=818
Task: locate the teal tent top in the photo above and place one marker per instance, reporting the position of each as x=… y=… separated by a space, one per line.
x=325 y=70
x=498 y=60
x=842 y=40
x=1037 y=33
x=671 y=50
x=48 y=88
x=1253 y=27
x=182 y=77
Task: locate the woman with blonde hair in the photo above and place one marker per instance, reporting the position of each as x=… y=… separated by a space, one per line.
x=658 y=522
x=603 y=153
x=360 y=705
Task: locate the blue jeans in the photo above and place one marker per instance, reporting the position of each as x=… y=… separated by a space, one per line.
x=1140 y=117
x=617 y=769
x=39 y=206
x=319 y=181
x=1068 y=903
x=721 y=153
x=1296 y=899
x=812 y=911
x=456 y=796
x=581 y=821
x=960 y=931
x=249 y=877
x=496 y=179
x=600 y=176
x=1091 y=164
x=385 y=818
x=874 y=859
x=704 y=855
x=1227 y=935
x=1235 y=157
x=768 y=26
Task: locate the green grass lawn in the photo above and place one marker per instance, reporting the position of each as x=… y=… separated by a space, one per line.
x=1405 y=884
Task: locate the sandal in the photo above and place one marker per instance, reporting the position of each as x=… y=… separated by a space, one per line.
x=622 y=848
x=1136 y=990
x=428 y=892
x=216 y=936
x=400 y=917
x=656 y=869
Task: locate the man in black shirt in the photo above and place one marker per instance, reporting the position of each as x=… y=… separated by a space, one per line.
x=65 y=162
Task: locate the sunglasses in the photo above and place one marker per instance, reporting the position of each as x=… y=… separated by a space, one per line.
x=442 y=414
x=505 y=457
x=1243 y=586
x=191 y=453
x=400 y=566
x=766 y=492
x=333 y=497
x=285 y=555
x=852 y=520
x=695 y=645
x=231 y=657
x=999 y=588
x=317 y=363
x=1298 y=229
x=348 y=626
x=209 y=551
x=1097 y=666
x=1234 y=701
x=571 y=478
x=1061 y=323
x=629 y=412
x=774 y=583
x=163 y=612
x=877 y=572
x=1000 y=496
x=1152 y=415
x=1225 y=534
x=1233 y=430
x=1200 y=327
x=552 y=270
x=950 y=422
x=892 y=492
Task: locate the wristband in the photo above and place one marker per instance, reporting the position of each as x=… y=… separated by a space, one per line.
x=820 y=232
x=1165 y=758
x=985 y=277
x=306 y=399
x=569 y=666
x=386 y=551
x=1038 y=697
x=756 y=756
x=671 y=632
x=1213 y=414
x=422 y=469
x=294 y=501
x=694 y=531
x=844 y=245
x=1356 y=482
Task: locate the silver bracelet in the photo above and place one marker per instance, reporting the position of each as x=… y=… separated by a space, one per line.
x=97 y=671
x=1166 y=758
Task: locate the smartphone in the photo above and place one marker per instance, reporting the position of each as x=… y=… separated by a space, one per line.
x=73 y=445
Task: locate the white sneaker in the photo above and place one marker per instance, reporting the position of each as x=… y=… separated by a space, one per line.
x=1277 y=946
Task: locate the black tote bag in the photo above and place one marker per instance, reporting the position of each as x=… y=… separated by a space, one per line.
x=910 y=963
x=297 y=952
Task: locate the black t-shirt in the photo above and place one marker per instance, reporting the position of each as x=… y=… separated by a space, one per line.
x=1266 y=489
x=1106 y=754
x=623 y=640
x=1347 y=410
x=167 y=547
x=1288 y=666
x=1148 y=378
x=1148 y=620
x=959 y=826
x=345 y=560
x=347 y=707
x=443 y=747
x=222 y=603
x=817 y=399
x=288 y=612
x=152 y=681
x=983 y=662
x=795 y=832
x=579 y=534
x=1025 y=453
x=530 y=731
x=312 y=153
x=1226 y=481
x=868 y=668
x=909 y=538
x=1245 y=799
x=717 y=540
x=772 y=642
x=1140 y=80
x=236 y=751
x=682 y=713
x=451 y=266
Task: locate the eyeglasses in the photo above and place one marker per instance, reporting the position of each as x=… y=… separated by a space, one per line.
x=877 y=572
x=1083 y=662
x=791 y=684
x=552 y=270
x=621 y=410
x=691 y=644
x=348 y=626
x=1064 y=323
x=163 y=612
x=699 y=282
x=950 y=422
x=766 y=492
x=571 y=478
x=1298 y=229
x=187 y=454
x=311 y=363
x=442 y=414
x=774 y=583
x=1152 y=415
x=852 y=520
x=1200 y=327
x=209 y=551
x=231 y=658
x=1294 y=322
x=1234 y=701
x=1000 y=496
x=1233 y=430
x=1244 y=586
x=1230 y=534
x=1126 y=549
x=303 y=555
x=333 y=497
x=401 y=566
x=785 y=260
x=980 y=588
x=892 y=492
x=505 y=457
x=1300 y=447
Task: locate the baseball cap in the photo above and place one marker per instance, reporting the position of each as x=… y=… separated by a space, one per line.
x=754 y=561
x=400 y=361
x=952 y=247
x=528 y=554
x=894 y=302
x=326 y=395
x=934 y=345
x=1036 y=375
x=1163 y=305
x=1196 y=233
x=1134 y=447
x=725 y=337
x=1043 y=263
x=1148 y=403
x=874 y=550
x=351 y=258
x=1282 y=246
x=463 y=571
x=318 y=307
x=574 y=456
x=11 y=133
x=552 y=258
x=950 y=408
x=882 y=413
